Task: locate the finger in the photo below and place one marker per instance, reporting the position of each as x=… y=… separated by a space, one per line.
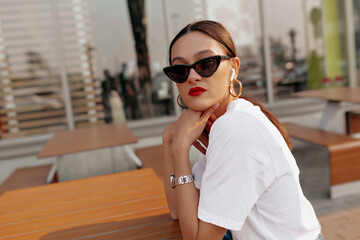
x=208 y=125
x=207 y=113
x=212 y=117
x=199 y=147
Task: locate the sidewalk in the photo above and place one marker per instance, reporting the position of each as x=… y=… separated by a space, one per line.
x=341 y=225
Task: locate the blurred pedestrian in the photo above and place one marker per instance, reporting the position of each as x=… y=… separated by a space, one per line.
x=129 y=94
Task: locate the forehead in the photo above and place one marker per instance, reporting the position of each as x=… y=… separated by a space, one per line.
x=191 y=44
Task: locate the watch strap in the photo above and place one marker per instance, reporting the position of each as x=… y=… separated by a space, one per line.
x=175 y=181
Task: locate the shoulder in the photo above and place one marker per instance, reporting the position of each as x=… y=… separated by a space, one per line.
x=241 y=118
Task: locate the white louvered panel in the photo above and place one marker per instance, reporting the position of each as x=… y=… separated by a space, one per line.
x=32 y=88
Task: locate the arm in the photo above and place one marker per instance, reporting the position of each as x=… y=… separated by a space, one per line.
x=187 y=129
x=167 y=139
x=168 y=169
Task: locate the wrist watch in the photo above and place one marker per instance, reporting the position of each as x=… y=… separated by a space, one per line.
x=181 y=180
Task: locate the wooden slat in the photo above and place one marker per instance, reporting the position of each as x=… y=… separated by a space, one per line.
x=77 y=110
x=33 y=132
x=37 y=48
x=74 y=86
x=40 y=16
x=13 y=8
x=49 y=58
x=22 y=76
x=85 y=101
x=86 y=117
x=37 y=115
x=36 y=123
x=31 y=108
x=96 y=92
x=31 y=83
x=35 y=99
x=18 y=42
x=316 y=136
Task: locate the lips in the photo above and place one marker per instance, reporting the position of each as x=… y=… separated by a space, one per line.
x=196 y=91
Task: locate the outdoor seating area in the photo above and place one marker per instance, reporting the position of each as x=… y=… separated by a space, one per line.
x=343 y=149
x=132 y=202
x=90 y=89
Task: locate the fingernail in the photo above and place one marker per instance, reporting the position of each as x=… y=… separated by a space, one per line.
x=215 y=106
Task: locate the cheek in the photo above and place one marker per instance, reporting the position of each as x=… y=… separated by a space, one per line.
x=182 y=91
x=219 y=86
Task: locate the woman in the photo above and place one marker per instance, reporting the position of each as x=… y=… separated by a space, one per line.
x=246 y=180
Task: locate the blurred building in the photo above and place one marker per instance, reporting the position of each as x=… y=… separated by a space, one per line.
x=46 y=68
x=53 y=53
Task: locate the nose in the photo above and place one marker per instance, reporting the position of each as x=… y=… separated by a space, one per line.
x=193 y=75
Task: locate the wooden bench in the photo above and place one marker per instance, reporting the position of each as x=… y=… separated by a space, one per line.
x=344 y=156
x=152 y=157
x=26 y=177
x=352 y=120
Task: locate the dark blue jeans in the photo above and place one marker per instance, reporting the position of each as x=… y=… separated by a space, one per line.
x=227 y=235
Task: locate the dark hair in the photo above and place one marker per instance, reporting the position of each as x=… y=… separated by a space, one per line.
x=214 y=30
x=218 y=32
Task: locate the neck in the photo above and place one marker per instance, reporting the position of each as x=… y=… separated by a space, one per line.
x=223 y=105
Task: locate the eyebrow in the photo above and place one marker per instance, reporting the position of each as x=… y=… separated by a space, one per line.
x=196 y=54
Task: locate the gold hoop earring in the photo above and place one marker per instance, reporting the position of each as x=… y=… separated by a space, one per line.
x=231 y=87
x=178 y=99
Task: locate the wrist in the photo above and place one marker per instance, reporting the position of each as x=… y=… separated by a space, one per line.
x=178 y=147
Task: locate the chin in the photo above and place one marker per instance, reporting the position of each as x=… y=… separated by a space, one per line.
x=199 y=107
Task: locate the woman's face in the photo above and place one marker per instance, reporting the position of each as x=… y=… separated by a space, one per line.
x=214 y=89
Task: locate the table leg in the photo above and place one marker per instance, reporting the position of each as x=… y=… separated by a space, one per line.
x=53 y=170
x=133 y=156
x=330 y=110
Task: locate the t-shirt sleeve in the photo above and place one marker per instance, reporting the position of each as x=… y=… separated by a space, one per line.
x=238 y=170
x=198 y=170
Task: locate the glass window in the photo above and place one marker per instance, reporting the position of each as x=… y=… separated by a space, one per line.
x=357 y=36
x=286 y=36
x=244 y=26
x=131 y=49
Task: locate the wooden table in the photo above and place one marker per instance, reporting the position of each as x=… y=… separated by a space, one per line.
x=128 y=205
x=86 y=139
x=334 y=97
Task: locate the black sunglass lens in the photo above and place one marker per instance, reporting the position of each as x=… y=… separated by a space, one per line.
x=178 y=73
x=206 y=67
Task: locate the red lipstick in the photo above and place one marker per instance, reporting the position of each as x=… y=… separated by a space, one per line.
x=196 y=91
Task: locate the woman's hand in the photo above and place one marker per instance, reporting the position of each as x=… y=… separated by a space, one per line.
x=190 y=127
x=168 y=133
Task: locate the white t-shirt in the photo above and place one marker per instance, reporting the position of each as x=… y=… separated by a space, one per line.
x=249 y=180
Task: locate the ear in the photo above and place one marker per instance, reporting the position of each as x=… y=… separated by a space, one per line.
x=236 y=65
